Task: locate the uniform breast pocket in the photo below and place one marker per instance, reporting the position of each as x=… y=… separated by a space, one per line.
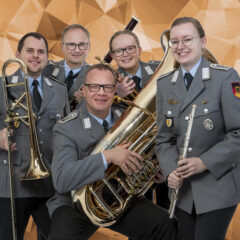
x=209 y=117
x=55 y=115
x=171 y=117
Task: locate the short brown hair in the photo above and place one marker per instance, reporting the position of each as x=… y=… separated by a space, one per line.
x=194 y=21
x=128 y=32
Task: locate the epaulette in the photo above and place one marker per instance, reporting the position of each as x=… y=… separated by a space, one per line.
x=68 y=117
x=220 y=67
x=166 y=74
x=54 y=79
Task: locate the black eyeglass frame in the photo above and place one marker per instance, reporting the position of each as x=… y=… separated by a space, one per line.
x=119 y=52
x=72 y=46
x=108 y=88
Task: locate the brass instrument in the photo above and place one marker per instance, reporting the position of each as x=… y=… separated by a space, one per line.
x=104 y=201
x=183 y=154
x=37 y=168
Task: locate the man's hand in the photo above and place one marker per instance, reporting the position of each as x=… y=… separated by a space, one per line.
x=174 y=180
x=4 y=140
x=125 y=87
x=78 y=95
x=128 y=160
x=190 y=166
x=158 y=177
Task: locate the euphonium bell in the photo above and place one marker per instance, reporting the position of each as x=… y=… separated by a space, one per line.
x=37 y=169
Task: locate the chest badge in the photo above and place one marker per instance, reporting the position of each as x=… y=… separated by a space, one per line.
x=236 y=89
x=169 y=121
x=208 y=124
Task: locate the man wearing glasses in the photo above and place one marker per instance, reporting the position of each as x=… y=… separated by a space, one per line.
x=74 y=167
x=75 y=46
x=126 y=50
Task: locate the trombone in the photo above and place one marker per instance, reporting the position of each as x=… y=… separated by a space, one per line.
x=37 y=169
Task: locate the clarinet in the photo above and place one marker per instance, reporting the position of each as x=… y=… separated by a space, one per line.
x=183 y=154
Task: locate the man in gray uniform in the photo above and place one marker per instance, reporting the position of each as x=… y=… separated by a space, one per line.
x=75 y=46
x=74 y=167
x=126 y=51
x=209 y=176
x=50 y=104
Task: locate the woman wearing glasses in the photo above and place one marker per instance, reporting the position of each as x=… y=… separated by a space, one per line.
x=126 y=50
x=209 y=177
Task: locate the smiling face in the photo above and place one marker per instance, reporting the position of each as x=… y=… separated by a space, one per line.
x=76 y=57
x=100 y=102
x=187 y=55
x=128 y=61
x=34 y=55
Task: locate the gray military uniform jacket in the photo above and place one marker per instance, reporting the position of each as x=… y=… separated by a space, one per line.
x=54 y=106
x=215 y=136
x=73 y=166
x=147 y=71
x=58 y=72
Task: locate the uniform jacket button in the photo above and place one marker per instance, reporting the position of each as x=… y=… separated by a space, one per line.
x=189 y=149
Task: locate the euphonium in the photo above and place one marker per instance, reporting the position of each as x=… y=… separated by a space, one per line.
x=105 y=200
x=37 y=168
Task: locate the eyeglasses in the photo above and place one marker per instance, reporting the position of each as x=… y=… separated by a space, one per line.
x=119 y=52
x=96 y=87
x=185 y=41
x=72 y=46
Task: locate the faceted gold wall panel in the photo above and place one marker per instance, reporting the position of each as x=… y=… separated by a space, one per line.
x=220 y=19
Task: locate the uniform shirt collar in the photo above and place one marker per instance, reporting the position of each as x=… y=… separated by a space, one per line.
x=193 y=69
x=108 y=118
x=138 y=73
x=68 y=69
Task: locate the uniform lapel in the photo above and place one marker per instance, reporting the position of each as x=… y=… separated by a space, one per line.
x=179 y=88
x=195 y=88
x=90 y=124
x=47 y=92
x=79 y=81
x=16 y=91
x=145 y=74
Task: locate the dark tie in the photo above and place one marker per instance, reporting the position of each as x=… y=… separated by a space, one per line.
x=188 y=77
x=36 y=95
x=105 y=125
x=70 y=78
x=137 y=81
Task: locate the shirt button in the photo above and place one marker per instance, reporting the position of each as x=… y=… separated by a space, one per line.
x=205 y=110
x=190 y=149
x=39 y=117
x=169 y=112
x=5 y=161
x=40 y=130
x=41 y=142
x=186 y=118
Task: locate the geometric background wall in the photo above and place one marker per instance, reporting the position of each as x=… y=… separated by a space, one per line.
x=220 y=19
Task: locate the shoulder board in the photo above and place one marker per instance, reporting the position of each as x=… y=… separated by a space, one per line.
x=68 y=117
x=55 y=80
x=221 y=67
x=166 y=74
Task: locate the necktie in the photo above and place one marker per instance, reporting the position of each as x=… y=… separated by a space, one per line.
x=36 y=95
x=137 y=81
x=105 y=125
x=188 y=77
x=70 y=78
